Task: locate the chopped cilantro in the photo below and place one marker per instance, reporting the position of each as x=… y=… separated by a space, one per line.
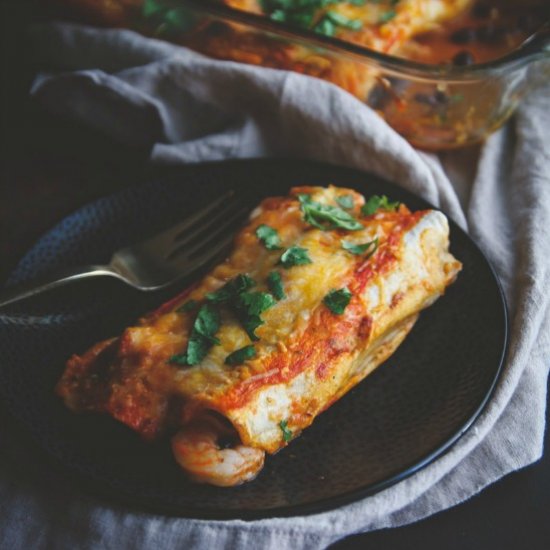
x=207 y=324
x=387 y=16
x=337 y=300
x=167 y=16
x=294 y=256
x=269 y=237
x=203 y=333
x=250 y=323
x=177 y=17
x=287 y=433
x=378 y=201
x=311 y=14
x=152 y=7
x=326 y=217
x=202 y=337
x=197 y=349
x=241 y=355
x=179 y=359
x=303 y=19
x=275 y=285
x=343 y=21
x=278 y=15
x=256 y=302
x=326 y=27
x=345 y=201
x=235 y=286
x=359 y=249
x=188 y=306
x=248 y=307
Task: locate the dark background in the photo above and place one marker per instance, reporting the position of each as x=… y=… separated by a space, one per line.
x=51 y=166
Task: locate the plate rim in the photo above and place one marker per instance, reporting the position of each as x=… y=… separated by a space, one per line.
x=137 y=504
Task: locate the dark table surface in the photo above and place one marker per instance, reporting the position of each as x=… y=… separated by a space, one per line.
x=51 y=166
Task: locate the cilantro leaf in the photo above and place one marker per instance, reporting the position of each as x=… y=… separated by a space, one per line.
x=300 y=19
x=337 y=300
x=343 y=21
x=152 y=7
x=167 y=16
x=359 y=249
x=248 y=308
x=378 y=201
x=287 y=433
x=387 y=16
x=177 y=17
x=269 y=237
x=207 y=324
x=197 y=349
x=295 y=256
x=345 y=201
x=239 y=284
x=202 y=335
x=179 y=359
x=326 y=217
x=188 y=306
x=256 y=302
x=326 y=27
x=278 y=15
x=241 y=355
x=275 y=285
x=201 y=339
x=250 y=323
x=309 y=14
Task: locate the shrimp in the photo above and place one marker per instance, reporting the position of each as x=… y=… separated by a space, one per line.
x=210 y=452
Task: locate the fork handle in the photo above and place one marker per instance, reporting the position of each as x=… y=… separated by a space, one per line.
x=60 y=278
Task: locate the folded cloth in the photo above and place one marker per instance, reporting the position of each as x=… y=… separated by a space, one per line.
x=188 y=108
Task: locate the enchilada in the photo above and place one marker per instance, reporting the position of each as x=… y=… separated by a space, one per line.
x=320 y=288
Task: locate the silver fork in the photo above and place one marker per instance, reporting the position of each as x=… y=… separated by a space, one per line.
x=159 y=261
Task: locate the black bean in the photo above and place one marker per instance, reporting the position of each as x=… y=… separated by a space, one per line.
x=425 y=99
x=398 y=85
x=463 y=59
x=434 y=100
x=440 y=97
x=378 y=97
x=385 y=92
x=463 y=36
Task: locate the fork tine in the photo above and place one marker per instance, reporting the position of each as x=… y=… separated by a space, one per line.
x=166 y=238
x=181 y=250
x=196 y=233
x=211 y=238
x=208 y=254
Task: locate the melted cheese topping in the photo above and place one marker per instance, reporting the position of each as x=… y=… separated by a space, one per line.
x=306 y=356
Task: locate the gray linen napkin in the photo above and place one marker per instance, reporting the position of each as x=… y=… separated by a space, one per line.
x=191 y=109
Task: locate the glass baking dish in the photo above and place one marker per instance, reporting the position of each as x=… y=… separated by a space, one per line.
x=434 y=107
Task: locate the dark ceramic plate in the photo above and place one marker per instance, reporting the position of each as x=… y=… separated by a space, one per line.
x=401 y=418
